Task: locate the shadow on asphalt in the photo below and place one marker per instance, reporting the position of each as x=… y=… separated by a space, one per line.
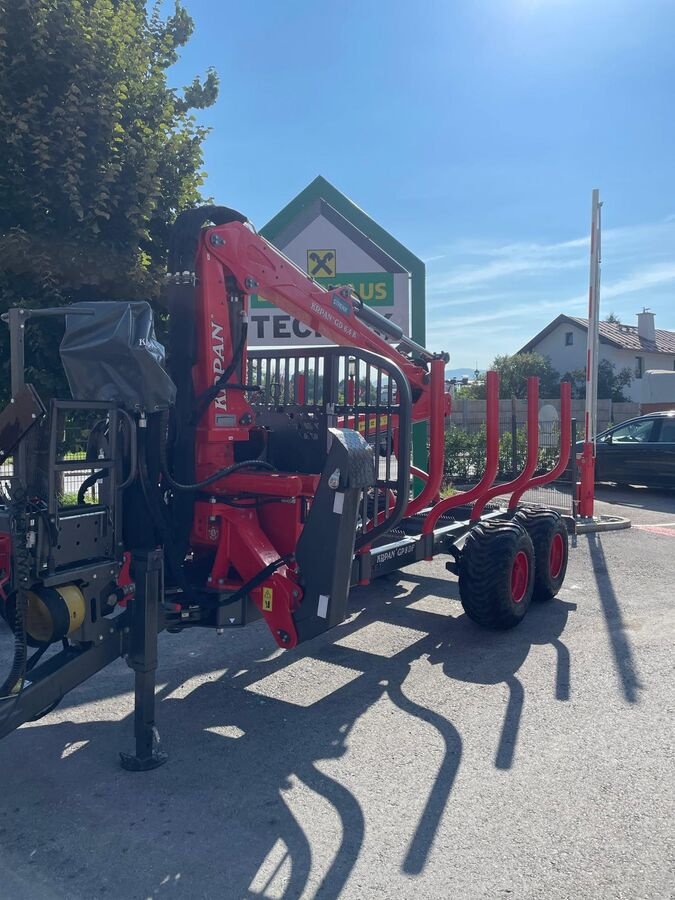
x=618 y=638
x=229 y=791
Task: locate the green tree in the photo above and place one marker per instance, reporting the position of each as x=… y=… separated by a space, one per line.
x=513 y=373
x=98 y=155
x=612 y=319
x=611 y=384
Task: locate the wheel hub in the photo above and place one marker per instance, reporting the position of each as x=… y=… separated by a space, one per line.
x=520 y=573
x=556 y=555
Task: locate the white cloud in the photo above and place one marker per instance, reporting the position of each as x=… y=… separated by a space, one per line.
x=492 y=297
x=639 y=281
x=506 y=259
x=511 y=312
x=468 y=276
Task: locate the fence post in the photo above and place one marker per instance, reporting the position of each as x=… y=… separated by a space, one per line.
x=514 y=438
x=573 y=470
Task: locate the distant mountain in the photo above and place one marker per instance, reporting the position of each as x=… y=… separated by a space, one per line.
x=460 y=373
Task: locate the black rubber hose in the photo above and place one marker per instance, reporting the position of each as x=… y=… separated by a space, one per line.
x=253 y=582
x=154 y=505
x=14 y=682
x=93 y=441
x=222 y=473
x=208 y=396
x=89 y=482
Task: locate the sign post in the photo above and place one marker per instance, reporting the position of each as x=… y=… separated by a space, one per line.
x=587 y=461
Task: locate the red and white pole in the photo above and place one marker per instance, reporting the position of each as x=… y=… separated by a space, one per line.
x=587 y=460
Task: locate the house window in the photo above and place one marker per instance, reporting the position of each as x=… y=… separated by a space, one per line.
x=639 y=366
x=569 y=338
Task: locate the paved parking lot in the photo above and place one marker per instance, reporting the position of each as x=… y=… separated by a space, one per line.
x=407 y=754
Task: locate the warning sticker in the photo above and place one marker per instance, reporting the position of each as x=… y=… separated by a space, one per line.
x=267 y=598
x=321 y=263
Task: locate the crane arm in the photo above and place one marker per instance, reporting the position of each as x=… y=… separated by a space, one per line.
x=260 y=268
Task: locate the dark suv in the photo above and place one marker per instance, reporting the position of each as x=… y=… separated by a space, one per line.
x=639 y=451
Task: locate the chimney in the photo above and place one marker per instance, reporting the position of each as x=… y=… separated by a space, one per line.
x=645 y=325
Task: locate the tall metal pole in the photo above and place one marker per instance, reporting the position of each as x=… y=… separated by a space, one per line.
x=587 y=462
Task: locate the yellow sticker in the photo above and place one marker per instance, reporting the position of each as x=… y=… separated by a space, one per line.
x=321 y=263
x=268 y=595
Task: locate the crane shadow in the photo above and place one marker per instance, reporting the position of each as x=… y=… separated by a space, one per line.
x=223 y=818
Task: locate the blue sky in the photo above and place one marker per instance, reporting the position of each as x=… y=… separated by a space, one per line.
x=473 y=131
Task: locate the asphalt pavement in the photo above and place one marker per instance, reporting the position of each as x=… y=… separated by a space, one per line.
x=406 y=754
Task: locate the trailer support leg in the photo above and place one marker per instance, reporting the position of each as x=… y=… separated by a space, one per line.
x=147 y=567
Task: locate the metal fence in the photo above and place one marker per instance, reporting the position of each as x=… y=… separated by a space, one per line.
x=465 y=454
x=72 y=482
x=466 y=450
x=464 y=412
x=74 y=433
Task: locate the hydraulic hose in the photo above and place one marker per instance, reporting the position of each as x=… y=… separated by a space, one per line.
x=204 y=400
x=216 y=476
x=156 y=510
x=87 y=483
x=255 y=581
x=130 y=450
x=13 y=684
x=221 y=473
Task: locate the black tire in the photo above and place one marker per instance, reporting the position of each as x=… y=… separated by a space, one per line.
x=551 y=549
x=496 y=574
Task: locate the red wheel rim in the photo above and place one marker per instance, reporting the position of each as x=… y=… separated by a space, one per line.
x=556 y=556
x=520 y=573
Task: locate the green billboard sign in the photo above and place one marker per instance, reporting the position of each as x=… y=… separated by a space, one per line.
x=374 y=288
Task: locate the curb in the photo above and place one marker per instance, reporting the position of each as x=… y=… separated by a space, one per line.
x=601 y=523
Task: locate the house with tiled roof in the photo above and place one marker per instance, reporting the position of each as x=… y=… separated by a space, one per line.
x=640 y=347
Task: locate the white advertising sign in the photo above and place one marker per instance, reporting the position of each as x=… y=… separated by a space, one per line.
x=332 y=251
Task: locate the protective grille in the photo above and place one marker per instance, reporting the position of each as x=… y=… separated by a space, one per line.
x=343 y=387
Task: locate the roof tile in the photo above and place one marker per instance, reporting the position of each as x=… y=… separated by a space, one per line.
x=626 y=336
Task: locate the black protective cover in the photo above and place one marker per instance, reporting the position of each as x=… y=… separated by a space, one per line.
x=113 y=355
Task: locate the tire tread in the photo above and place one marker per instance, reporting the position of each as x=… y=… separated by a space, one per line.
x=541 y=525
x=485 y=574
